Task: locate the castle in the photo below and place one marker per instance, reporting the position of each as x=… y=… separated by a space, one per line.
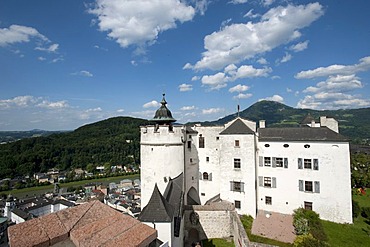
x=269 y=169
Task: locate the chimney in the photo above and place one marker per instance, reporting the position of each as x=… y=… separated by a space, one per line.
x=313 y=123
x=262 y=124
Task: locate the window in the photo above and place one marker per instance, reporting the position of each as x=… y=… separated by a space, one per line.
x=191 y=160
x=237 y=163
x=306 y=146
x=202 y=194
x=279 y=162
x=236 y=143
x=308 y=186
x=307 y=163
x=286 y=145
x=267 y=145
x=316 y=164
x=236 y=186
x=268 y=200
x=201 y=141
x=189 y=144
x=267 y=182
x=207 y=159
x=205 y=176
x=308 y=205
x=217 y=138
x=267 y=161
x=237 y=204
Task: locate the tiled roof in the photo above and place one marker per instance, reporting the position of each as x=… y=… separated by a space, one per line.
x=300 y=134
x=157 y=209
x=174 y=193
x=90 y=224
x=237 y=128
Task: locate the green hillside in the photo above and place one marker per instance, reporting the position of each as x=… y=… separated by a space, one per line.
x=115 y=141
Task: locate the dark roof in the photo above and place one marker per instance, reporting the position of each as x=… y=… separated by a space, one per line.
x=300 y=134
x=174 y=193
x=21 y=214
x=307 y=119
x=163 y=115
x=238 y=127
x=157 y=209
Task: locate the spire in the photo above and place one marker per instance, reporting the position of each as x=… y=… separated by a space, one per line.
x=163 y=115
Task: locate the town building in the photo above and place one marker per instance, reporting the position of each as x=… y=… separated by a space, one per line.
x=268 y=169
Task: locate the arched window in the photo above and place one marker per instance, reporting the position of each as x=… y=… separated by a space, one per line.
x=205 y=176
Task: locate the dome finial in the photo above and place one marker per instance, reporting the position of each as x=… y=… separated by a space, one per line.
x=163 y=115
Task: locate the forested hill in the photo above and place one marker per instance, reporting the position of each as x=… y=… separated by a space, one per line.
x=353 y=123
x=115 y=140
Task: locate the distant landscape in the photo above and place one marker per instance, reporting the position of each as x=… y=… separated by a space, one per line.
x=116 y=141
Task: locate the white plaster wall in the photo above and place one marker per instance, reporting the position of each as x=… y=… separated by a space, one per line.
x=162 y=157
x=15 y=218
x=333 y=203
x=191 y=165
x=246 y=174
x=209 y=189
x=163 y=230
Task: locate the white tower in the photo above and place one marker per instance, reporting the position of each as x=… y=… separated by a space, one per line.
x=9 y=206
x=162 y=152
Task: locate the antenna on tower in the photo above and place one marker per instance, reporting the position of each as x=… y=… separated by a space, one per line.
x=238 y=105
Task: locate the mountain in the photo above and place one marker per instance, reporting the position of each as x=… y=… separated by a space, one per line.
x=12 y=136
x=353 y=123
x=115 y=140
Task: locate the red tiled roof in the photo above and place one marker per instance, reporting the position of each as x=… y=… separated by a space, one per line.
x=90 y=224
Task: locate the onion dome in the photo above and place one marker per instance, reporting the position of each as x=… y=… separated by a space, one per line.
x=163 y=115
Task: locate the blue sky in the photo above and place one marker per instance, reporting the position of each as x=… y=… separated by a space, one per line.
x=67 y=63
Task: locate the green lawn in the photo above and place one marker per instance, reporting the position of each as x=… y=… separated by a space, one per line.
x=356 y=234
x=217 y=242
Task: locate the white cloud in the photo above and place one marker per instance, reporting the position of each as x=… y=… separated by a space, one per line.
x=250 y=14
x=185 y=87
x=53 y=105
x=363 y=65
x=83 y=73
x=286 y=58
x=275 y=97
x=51 y=49
x=289 y=90
x=140 y=22
x=275 y=77
x=187 y=108
x=243 y=96
x=299 y=47
x=152 y=104
x=238 y=1
x=233 y=73
x=262 y=61
x=31 y=101
x=19 y=34
x=331 y=101
x=195 y=78
x=58 y=59
x=120 y=110
x=212 y=111
x=238 y=88
x=339 y=83
x=267 y=2
x=238 y=42
x=41 y=58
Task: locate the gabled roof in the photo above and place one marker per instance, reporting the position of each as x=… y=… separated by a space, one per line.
x=238 y=127
x=300 y=134
x=307 y=119
x=157 y=209
x=174 y=193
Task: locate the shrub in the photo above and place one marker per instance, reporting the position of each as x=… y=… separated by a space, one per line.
x=308 y=241
x=356 y=209
x=365 y=212
x=301 y=226
x=314 y=224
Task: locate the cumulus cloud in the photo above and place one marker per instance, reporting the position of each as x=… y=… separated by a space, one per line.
x=185 y=87
x=339 y=83
x=31 y=101
x=299 y=47
x=19 y=34
x=152 y=104
x=243 y=96
x=275 y=97
x=83 y=73
x=140 y=22
x=262 y=61
x=241 y=41
x=187 y=108
x=238 y=1
x=232 y=73
x=212 y=111
x=332 y=100
x=363 y=65
x=286 y=58
x=238 y=88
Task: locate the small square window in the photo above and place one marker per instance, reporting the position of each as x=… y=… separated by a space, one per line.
x=267 y=182
x=308 y=186
x=279 y=162
x=217 y=138
x=207 y=159
x=267 y=161
x=237 y=204
x=189 y=144
x=191 y=160
x=307 y=163
x=308 y=205
x=237 y=163
x=236 y=143
x=202 y=194
x=268 y=200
